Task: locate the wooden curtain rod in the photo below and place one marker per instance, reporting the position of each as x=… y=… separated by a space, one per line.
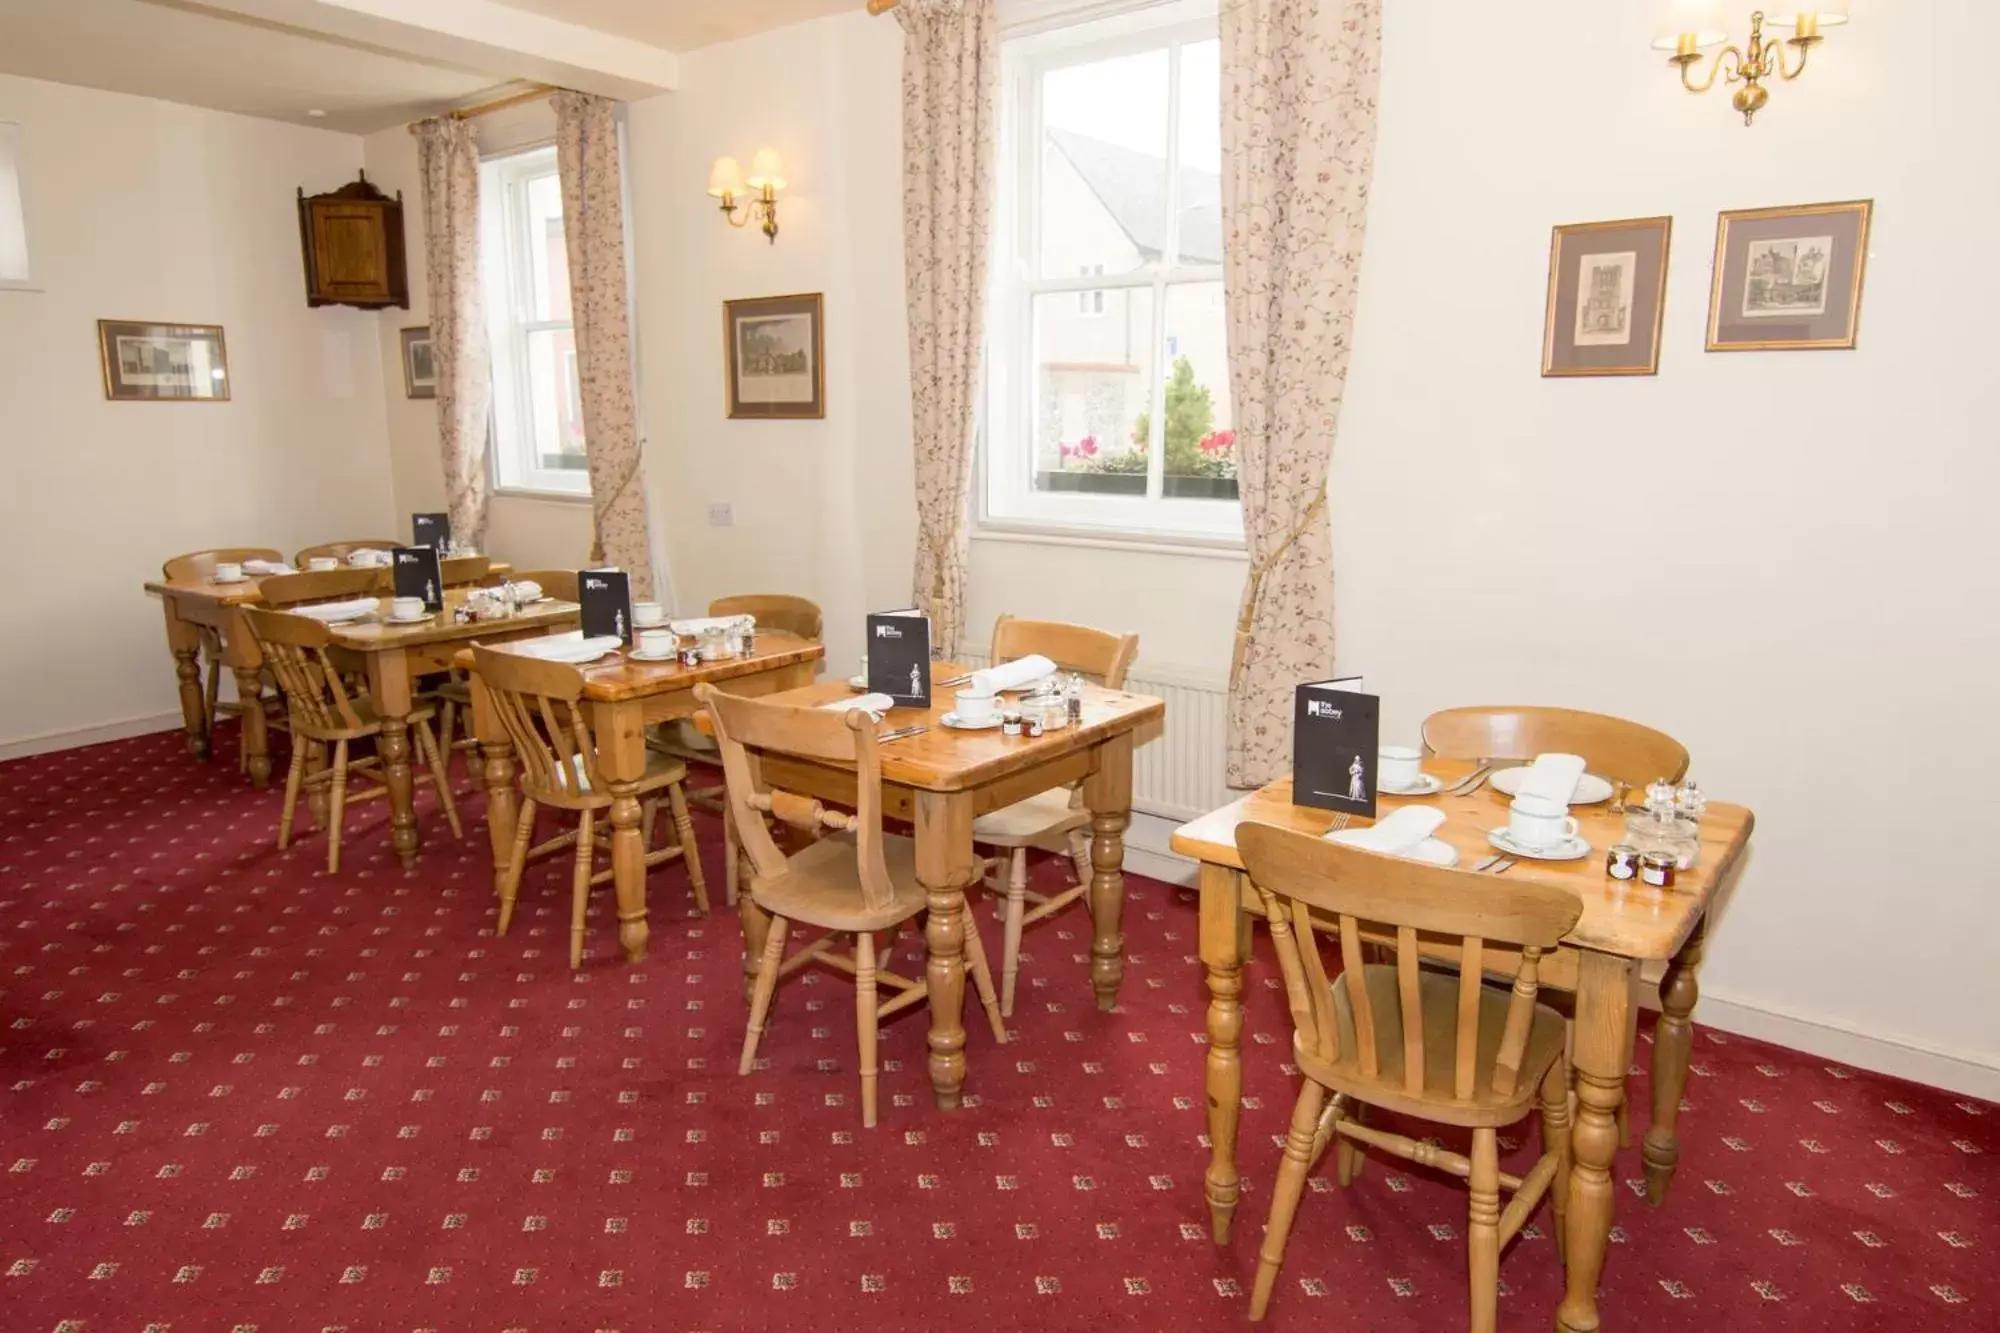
x=540 y=90
x=880 y=6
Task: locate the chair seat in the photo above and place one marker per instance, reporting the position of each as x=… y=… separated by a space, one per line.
x=1044 y=816
x=821 y=886
x=1438 y=995
x=661 y=771
x=371 y=721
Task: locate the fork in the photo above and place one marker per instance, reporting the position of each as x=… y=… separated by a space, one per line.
x=1500 y=866
x=1470 y=783
x=1340 y=821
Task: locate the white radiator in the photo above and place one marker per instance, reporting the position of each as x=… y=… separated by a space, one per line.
x=1178 y=775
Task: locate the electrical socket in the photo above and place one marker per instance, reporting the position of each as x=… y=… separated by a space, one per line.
x=721 y=516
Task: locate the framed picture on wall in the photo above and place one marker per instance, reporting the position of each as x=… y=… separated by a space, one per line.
x=419 y=370
x=162 y=362
x=774 y=347
x=1607 y=297
x=1788 y=278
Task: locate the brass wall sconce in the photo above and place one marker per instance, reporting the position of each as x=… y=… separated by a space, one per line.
x=1686 y=26
x=767 y=176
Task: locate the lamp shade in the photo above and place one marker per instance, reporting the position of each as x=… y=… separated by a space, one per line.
x=725 y=177
x=1830 y=13
x=767 y=169
x=1700 y=19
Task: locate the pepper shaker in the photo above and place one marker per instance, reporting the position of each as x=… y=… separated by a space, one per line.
x=1073 y=701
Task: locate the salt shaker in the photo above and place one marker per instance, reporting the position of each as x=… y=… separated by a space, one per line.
x=1073 y=701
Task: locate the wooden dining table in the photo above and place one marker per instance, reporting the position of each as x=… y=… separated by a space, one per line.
x=626 y=697
x=1624 y=925
x=193 y=605
x=943 y=779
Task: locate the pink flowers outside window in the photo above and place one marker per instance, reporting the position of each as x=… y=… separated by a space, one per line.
x=1083 y=448
x=1218 y=441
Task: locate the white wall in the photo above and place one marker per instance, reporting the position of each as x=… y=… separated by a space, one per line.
x=140 y=209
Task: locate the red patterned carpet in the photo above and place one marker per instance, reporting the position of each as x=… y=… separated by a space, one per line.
x=243 y=1095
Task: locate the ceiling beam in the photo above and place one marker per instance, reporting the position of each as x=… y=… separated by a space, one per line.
x=480 y=35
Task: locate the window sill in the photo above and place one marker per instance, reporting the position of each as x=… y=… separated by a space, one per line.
x=524 y=493
x=1103 y=539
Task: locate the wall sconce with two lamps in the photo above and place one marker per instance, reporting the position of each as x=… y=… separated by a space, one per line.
x=1687 y=26
x=726 y=182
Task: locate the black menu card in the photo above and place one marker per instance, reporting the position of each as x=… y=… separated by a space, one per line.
x=899 y=657
x=1336 y=734
x=432 y=530
x=417 y=574
x=606 y=598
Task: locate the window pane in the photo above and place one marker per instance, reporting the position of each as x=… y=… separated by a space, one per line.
x=1092 y=383
x=1103 y=198
x=1200 y=153
x=554 y=409
x=548 y=259
x=1200 y=446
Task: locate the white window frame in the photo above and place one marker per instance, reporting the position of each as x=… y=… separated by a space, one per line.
x=1007 y=500
x=507 y=280
x=17 y=251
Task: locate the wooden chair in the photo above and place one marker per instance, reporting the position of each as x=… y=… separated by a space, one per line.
x=774 y=610
x=455 y=692
x=324 y=710
x=341 y=550
x=332 y=585
x=557 y=583
x=1054 y=820
x=540 y=704
x=854 y=881
x=1611 y=747
x=1412 y=1041
x=463 y=571
x=201 y=565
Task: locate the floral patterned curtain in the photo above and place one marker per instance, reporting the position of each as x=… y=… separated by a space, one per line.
x=951 y=60
x=587 y=159
x=1298 y=146
x=449 y=162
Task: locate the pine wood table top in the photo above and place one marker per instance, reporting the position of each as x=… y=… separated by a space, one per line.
x=379 y=635
x=1621 y=917
x=620 y=678
x=245 y=592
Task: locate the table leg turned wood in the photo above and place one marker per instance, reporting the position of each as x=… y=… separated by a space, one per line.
x=184 y=641
x=1673 y=1046
x=1108 y=793
x=1604 y=994
x=497 y=776
x=1222 y=954
x=945 y=865
x=628 y=867
x=255 y=737
x=402 y=790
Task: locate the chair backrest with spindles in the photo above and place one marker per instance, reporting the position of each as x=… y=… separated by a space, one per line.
x=295 y=648
x=1103 y=656
x=540 y=706
x=328 y=585
x=748 y=728
x=557 y=583
x=461 y=570
x=1611 y=746
x=201 y=564
x=1297 y=874
x=774 y=610
x=341 y=550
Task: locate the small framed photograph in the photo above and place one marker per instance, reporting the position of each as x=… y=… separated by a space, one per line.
x=775 y=347
x=1788 y=278
x=419 y=370
x=1607 y=297
x=162 y=362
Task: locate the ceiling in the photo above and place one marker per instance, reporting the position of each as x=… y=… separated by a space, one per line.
x=682 y=25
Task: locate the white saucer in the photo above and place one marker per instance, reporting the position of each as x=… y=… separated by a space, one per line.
x=406 y=620
x=229 y=583
x=858 y=683
x=1569 y=849
x=951 y=720
x=637 y=656
x=1590 y=789
x=1428 y=785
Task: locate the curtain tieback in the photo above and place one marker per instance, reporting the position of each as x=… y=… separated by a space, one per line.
x=597 y=511
x=1255 y=585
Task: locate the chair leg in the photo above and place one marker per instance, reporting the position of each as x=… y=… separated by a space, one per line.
x=1482 y=1233
x=517 y=861
x=729 y=854
x=1349 y=1155
x=867 y=1018
x=337 y=808
x=293 y=776
x=579 y=892
x=760 y=996
x=1631 y=1046
x=440 y=775
x=1285 y=1194
x=1555 y=1139
x=447 y=716
x=1010 y=944
x=690 y=850
x=982 y=976
x=1079 y=856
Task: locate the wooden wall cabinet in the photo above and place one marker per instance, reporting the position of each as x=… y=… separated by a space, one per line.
x=353 y=241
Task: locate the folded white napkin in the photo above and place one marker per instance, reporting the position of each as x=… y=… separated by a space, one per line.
x=1396 y=835
x=1010 y=675
x=712 y=625
x=877 y=704
x=367 y=557
x=259 y=568
x=527 y=590
x=332 y=611
x=1552 y=777
x=571 y=647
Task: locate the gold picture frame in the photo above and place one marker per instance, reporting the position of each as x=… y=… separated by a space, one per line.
x=419 y=362
x=145 y=362
x=774 y=352
x=1790 y=278
x=1614 y=328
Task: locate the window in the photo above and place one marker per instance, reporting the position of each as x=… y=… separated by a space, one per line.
x=537 y=409
x=1108 y=387
x=14 y=270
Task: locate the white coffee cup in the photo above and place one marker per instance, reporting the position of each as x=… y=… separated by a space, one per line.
x=647 y=614
x=974 y=708
x=1399 y=767
x=321 y=563
x=407 y=608
x=1537 y=821
x=229 y=572
x=658 y=642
